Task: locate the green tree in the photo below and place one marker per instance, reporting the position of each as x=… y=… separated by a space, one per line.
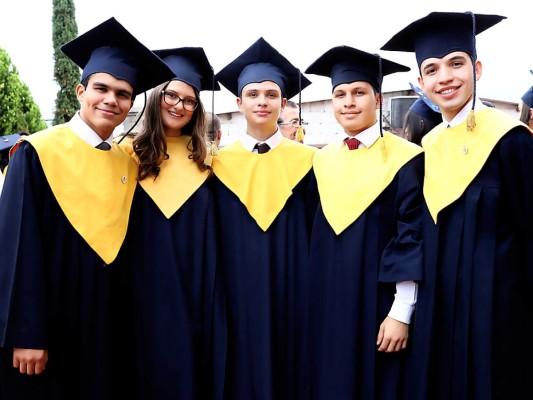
x=18 y=111
x=66 y=73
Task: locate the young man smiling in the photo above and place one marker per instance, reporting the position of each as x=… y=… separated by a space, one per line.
x=475 y=308
x=366 y=249
x=64 y=215
x=263 y=191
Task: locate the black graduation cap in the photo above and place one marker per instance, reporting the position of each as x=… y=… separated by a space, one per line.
x=262 y=62
x=345 y=64
x=8 y=141
x=441 y=33
x=110 y=48
x=421 y=108
x=527 y=98
x=190 y=65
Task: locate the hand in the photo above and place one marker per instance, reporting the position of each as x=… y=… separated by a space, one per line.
x=392 y=335
x=30 y=361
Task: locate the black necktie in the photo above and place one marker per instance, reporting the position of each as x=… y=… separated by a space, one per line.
x=104 y=146
x=262 y=148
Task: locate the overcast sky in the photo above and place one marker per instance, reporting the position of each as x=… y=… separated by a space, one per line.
x=300 y=30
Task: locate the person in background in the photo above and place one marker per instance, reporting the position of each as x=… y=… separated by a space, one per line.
x=419 y=120
x=526 y=108
x=175 y=299
x=214 y=129
x=263 y=190
x=289 y=121
x=474 y=304
x=63 y=218
x=366 y=244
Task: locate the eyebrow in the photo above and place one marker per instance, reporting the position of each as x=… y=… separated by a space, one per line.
x=263 y=90
x=120 y=90
x=349 y=90
x=454 y=58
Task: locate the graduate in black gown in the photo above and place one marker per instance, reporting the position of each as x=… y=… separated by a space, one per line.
x=63 y=218
x=171 y=241
x=264 y=194
x=366 y=245
x=420 y=119
x=475 y=308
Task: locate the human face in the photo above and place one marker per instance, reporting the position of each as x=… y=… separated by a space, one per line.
x=176 y=117
x=449 y=81
x=105 y=103
x=261 y=105
x=289 y=114
x=354 y=105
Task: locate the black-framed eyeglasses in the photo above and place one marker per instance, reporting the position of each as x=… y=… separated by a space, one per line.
x=172 y=99
x=293 y=123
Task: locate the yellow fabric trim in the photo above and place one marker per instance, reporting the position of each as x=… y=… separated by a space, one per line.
x=94 y=188
x=263 y=182
x=454 y=157
x=178 y=179
x=350 y=180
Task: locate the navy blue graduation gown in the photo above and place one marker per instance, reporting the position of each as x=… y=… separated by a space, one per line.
x=177 y=314
x=60 y=296
x=475 y=305
x=354 y=277
x=265 y=280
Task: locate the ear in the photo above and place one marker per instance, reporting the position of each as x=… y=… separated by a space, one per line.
x=219 y=134
x=239 y=104
x=479 y=70
x=421 y=83
x=379 y=99
x=80 y=90
x=283 y=103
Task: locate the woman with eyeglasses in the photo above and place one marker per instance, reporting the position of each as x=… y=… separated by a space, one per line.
x=171 y=274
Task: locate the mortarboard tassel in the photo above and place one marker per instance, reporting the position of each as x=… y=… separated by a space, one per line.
x=471 y=119
x=380 y=80
x=213 y=149
x=300 y=133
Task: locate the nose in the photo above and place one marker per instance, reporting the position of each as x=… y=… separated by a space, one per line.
x=445 y=74
x=262 y=99
x=349 y=101
x=110 y=98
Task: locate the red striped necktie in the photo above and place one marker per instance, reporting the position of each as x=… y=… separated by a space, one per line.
x=352 y=143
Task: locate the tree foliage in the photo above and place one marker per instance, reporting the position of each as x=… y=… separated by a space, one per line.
x=18 y=111
x=66 y=73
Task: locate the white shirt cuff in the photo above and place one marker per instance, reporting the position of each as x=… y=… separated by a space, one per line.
x=404 y=301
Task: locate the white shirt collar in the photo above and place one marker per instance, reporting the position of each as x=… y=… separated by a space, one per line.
x=248 y=142
x=463 y=114
x=85 y=132
x=367 y=137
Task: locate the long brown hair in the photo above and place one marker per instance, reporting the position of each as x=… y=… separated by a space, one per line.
x=150 y=144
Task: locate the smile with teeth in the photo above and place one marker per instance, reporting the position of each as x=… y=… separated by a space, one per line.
x=447 y=91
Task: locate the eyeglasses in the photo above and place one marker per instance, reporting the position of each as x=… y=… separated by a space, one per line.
x=172 y=99
x=293 y=123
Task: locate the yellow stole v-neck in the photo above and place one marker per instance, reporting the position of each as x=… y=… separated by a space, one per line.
x=263 y=182
x=94 y=188
x=454 y=157
x=350 y=180
x=178 y=178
